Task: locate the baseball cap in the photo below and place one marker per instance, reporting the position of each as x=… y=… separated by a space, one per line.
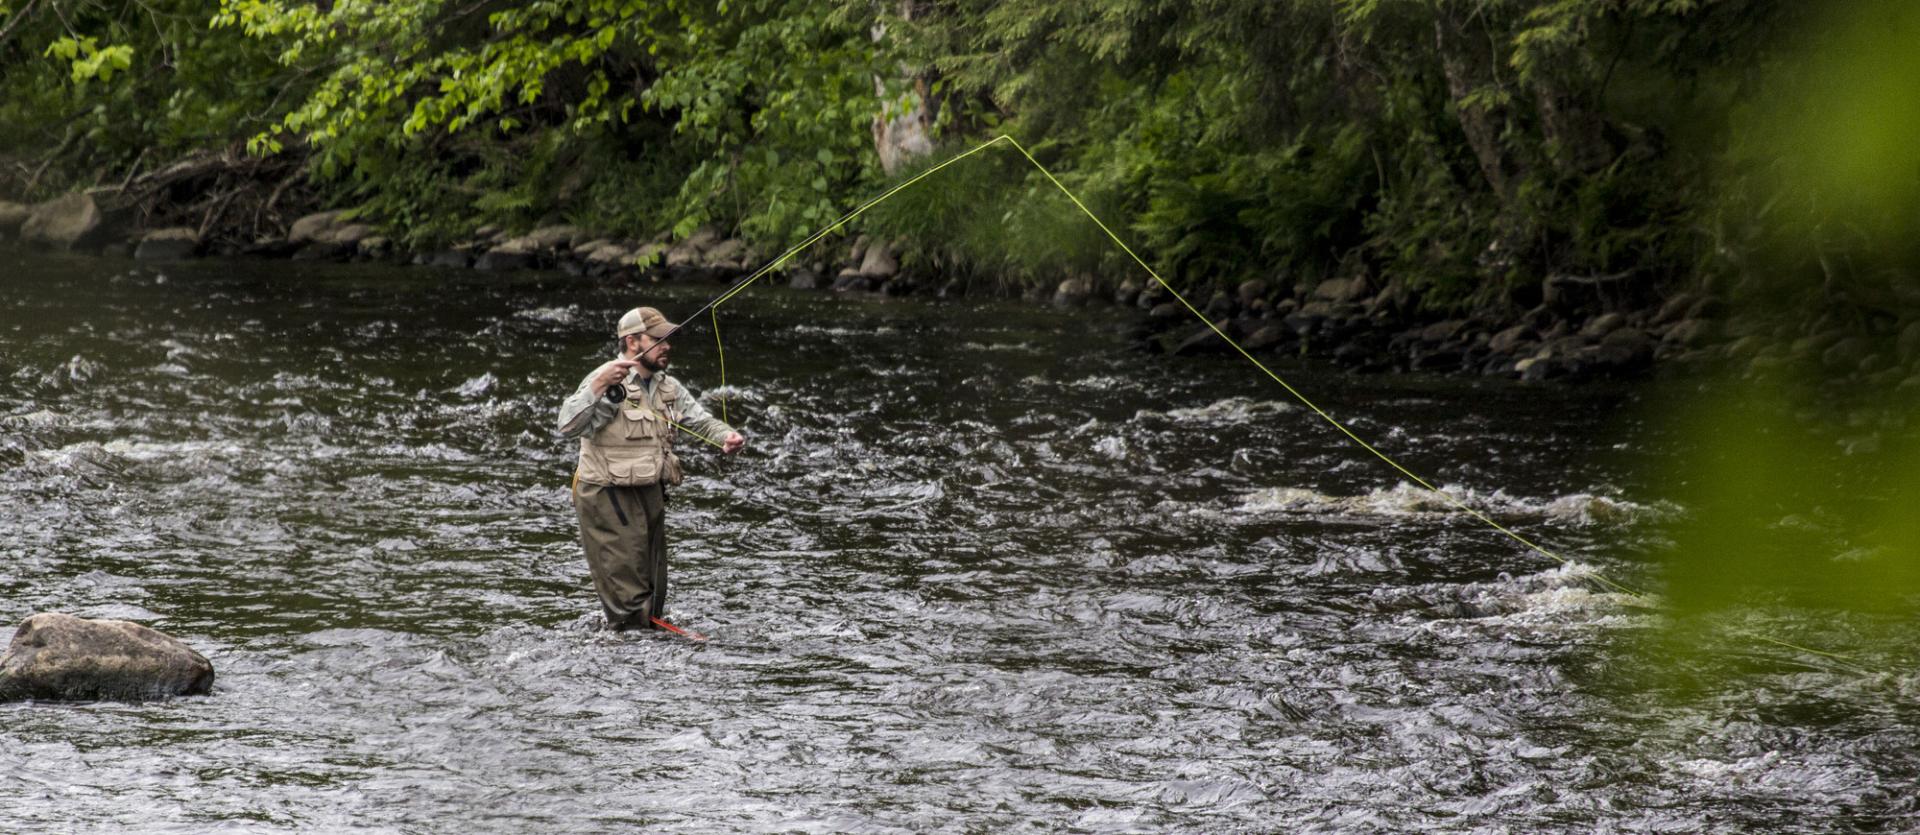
x=645 y=320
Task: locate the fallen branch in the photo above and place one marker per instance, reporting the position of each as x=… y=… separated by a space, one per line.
x=219 y=208
x=299 y=173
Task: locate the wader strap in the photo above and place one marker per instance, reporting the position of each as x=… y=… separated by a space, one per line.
x=615 y=501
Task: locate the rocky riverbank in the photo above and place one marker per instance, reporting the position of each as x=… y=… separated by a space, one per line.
x=1568 y=328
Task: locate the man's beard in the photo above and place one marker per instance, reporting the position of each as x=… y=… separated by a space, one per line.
x=652 y=362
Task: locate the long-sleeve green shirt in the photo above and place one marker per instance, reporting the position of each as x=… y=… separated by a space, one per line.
x=586 y=410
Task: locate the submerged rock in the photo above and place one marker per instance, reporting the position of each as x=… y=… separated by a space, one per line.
x=170 y=244
x=61 y=657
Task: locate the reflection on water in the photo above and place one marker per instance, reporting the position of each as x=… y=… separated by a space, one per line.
x=980 y=567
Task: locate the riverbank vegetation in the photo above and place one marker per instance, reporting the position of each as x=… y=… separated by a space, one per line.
x=1472 y=150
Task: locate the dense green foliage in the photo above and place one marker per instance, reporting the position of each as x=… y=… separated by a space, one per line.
x=1473 y=147
x=1465 y=145
x=622 y=115
x=90 y=88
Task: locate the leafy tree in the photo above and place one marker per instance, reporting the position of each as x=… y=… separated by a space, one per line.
x=633 y=115
x=91 y=91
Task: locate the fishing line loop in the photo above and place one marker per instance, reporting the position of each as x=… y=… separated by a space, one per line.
x=740 y=286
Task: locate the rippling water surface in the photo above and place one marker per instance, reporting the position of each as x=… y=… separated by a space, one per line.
x=981 y=568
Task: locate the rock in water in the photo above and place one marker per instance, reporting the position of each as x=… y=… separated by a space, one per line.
x=62 y=657
x=72 y=222
x=170 y=244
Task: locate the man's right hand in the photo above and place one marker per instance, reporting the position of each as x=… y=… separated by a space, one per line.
x=610 y=375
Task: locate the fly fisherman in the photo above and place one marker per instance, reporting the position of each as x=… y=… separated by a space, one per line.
x=624 y=414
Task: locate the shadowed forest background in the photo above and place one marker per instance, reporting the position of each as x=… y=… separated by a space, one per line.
x=1470 y=149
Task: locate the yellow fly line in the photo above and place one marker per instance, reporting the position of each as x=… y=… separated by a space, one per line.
x=722 y=348
x=1449 y=498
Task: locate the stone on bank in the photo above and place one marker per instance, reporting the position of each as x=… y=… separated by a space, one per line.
x=71 y=222
x=60 y=657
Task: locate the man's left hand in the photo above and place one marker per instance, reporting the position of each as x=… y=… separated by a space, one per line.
x=732 y=442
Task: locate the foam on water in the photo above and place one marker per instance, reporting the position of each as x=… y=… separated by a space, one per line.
x=1002 y=347
x=556 y=315
x=945 y=595
x=1407 y=499
x=1232 y=410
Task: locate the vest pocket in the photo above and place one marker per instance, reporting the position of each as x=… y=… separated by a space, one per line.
x=639 y=424
x=635 y=471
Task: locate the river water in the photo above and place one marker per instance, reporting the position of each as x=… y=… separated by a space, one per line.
x=981 y=568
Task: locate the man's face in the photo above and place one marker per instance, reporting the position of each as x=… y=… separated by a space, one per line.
x=653 y=353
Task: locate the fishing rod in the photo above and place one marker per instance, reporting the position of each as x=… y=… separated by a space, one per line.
x=1594 y=576
x=835 y=226
x=726 y=294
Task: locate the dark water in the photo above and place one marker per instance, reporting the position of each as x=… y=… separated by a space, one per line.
x=981 y=569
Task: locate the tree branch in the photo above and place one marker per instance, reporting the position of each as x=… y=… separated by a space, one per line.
x=25 y=12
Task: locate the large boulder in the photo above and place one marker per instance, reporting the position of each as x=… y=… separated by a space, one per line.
x=74 y=221
x=61 y=657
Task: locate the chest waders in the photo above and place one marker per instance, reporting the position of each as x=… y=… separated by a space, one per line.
x=619 y=494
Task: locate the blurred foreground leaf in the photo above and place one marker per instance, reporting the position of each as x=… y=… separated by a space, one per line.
x=1782 y=509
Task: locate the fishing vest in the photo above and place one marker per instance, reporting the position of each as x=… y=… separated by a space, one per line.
x=636 y=447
